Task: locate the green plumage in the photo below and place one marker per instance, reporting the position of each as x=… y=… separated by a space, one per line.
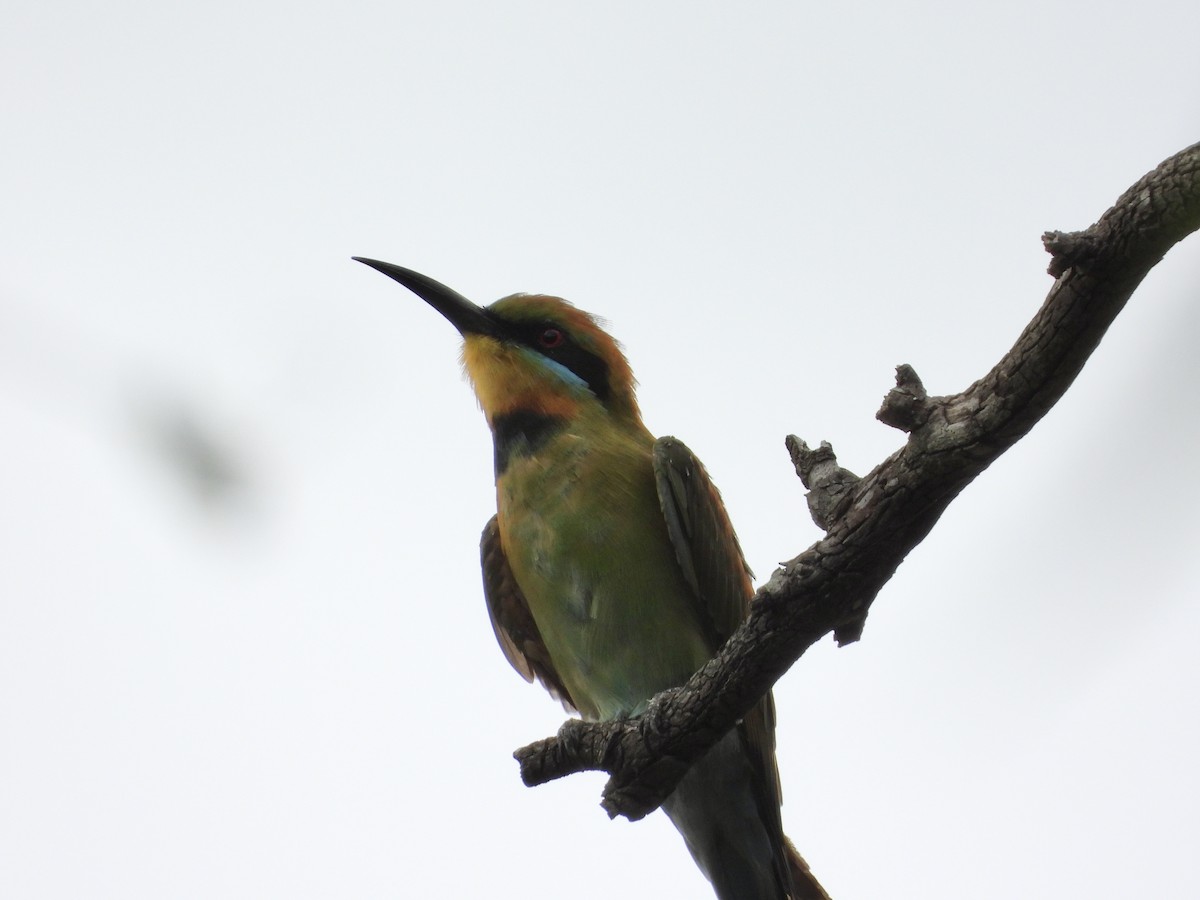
x=611 y=570
x=585 y=539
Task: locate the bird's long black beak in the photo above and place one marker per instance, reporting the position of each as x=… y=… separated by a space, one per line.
x=464 y=315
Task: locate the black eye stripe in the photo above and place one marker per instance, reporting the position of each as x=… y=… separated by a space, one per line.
x=587 y=365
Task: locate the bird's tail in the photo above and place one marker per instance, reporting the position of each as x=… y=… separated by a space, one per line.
x=804 y=882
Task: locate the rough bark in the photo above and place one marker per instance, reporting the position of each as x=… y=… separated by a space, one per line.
x=872 y=523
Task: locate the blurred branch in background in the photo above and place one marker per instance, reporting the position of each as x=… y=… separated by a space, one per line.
x=198 y=453
x=91 y=383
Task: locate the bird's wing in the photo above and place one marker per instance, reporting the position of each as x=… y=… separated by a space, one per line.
x=513 y=624
x=703 y=537
x=711 y=558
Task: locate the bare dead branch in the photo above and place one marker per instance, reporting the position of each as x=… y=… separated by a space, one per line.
x=872 y=523
x=828 y=483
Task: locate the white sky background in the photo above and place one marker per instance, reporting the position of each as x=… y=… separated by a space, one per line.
x=290 y=688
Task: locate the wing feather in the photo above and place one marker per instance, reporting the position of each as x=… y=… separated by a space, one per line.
x=513 y=624
x=712 y=562
x=703 y=537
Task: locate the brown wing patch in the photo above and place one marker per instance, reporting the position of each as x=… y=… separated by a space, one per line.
x=513 y=624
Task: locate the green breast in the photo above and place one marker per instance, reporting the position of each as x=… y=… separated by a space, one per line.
x=583 y=532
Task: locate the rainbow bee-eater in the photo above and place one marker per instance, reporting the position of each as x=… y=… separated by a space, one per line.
x=611 y=571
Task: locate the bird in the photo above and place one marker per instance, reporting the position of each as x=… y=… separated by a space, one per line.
x=611 y=571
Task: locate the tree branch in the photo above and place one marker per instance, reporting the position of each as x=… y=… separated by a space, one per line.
x=872 y=523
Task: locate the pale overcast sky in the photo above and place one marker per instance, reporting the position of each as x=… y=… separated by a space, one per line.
x=243 y=647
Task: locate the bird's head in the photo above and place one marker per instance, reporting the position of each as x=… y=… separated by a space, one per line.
x=529 y=352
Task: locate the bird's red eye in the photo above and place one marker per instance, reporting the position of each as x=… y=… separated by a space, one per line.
x=551 y=338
